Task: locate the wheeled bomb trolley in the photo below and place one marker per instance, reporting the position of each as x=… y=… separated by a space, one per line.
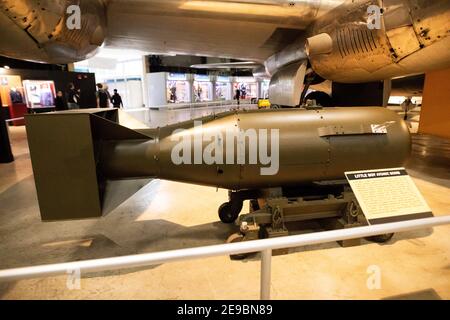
x=332 y=204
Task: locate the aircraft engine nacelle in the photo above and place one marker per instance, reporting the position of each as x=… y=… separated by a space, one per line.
x=410 y=36
x=52 y=31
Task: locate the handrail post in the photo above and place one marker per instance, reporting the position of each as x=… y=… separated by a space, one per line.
x=266 y=270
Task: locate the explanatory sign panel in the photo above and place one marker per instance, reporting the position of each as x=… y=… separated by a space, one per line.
x=388 y=195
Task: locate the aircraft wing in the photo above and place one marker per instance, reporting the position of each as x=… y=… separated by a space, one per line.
x=242 y=29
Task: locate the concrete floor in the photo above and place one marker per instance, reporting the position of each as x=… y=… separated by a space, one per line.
x=166 y=215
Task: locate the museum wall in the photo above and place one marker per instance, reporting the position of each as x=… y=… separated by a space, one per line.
x=435 y=114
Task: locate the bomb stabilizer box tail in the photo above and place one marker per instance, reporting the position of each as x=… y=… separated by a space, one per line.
x=64 y=149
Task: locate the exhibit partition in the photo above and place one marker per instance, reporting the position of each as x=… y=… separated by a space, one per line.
x=435 y=114
x=156 y=84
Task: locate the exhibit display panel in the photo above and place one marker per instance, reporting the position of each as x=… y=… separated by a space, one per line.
x=177 y=88
x=247 y=86
x=223 y=88
x=388 y=195
x=223 y=91
x=202 y=88
x=13 y=97
x=39 y=94
x=11 y=90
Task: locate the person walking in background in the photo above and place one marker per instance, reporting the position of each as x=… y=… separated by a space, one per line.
x=105 y=87
x=73 y=97
x=238 y=96
x=102 y=97
x=116 y=100
x=407 y=106
x=60 y=103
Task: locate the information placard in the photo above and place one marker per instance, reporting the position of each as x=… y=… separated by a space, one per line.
x=388 y=195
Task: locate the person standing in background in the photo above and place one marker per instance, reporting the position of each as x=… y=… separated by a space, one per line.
x=105 y=87
x=60 y=103
x=102 y=97
x=173 y=94
x=116 y=100
x=238 y=96
x=73 y=97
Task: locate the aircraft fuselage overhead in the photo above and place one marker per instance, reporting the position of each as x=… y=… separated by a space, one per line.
x=345 y=41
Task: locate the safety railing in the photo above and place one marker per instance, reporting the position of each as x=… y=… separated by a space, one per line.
x=14 y=119
x=265 y=247
x=196 y=105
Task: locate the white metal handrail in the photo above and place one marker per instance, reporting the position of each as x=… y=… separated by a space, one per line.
x=264 y=246
x=14 y=119
x=209 y=105
x=196 y=105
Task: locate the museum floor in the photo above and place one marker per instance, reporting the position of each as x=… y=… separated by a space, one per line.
x=166 y=215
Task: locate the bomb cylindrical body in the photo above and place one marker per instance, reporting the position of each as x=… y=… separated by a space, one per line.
x=261 y=149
